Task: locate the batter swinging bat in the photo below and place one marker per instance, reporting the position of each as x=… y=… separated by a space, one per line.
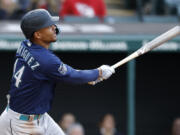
x=150 y=45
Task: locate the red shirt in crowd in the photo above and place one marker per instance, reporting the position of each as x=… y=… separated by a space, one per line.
x=87 y=8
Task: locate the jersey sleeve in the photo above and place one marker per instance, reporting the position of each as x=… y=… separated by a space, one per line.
x=59 y=72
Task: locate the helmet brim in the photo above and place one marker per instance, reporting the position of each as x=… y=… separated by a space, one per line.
x=55 y=19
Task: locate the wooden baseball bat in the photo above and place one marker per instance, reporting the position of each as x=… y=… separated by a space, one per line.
x=150 y=45
x=147 y=47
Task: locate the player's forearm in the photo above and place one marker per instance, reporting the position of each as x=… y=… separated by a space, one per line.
x=82 y=76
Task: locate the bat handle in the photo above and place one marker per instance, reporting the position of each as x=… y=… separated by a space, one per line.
x=115 y=65
x=125 y=60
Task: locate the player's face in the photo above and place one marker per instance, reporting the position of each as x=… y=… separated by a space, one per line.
x=48 y=34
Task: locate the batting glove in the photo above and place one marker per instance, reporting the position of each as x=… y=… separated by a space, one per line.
x=105 y=72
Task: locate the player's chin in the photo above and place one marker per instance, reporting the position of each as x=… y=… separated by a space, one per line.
x=54 y=39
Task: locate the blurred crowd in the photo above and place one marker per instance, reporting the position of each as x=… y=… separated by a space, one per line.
x=71 y=126
x=161 y=7
x=176 y=127
x=15 y=9
x=106 y=125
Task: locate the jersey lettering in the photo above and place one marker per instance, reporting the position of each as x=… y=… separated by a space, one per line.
x=28 y=58
x=33 y=67
x=30 y=61
x=19 y=49
x=15 y=66
x=18 y=76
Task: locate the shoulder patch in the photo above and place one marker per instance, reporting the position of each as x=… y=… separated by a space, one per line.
x=62 y=69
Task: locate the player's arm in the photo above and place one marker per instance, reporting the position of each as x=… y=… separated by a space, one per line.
x=60 y=72
x=64 y=73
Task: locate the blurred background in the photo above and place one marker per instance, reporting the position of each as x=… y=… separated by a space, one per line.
x=142 y=98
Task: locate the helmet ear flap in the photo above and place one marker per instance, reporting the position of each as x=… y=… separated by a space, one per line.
x=57 y=30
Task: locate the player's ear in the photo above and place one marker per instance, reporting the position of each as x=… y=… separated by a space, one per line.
x=37 y=35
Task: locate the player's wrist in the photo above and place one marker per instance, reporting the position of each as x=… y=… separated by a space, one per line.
x=98 y=79
x=100 y=72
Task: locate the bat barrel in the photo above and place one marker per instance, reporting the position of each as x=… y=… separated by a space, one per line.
x=150 y=45
x=160 y=40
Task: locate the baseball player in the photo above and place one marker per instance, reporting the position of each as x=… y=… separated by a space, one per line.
x=35 y=74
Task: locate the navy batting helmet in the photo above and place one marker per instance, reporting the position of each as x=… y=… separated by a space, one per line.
x=35 y=20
